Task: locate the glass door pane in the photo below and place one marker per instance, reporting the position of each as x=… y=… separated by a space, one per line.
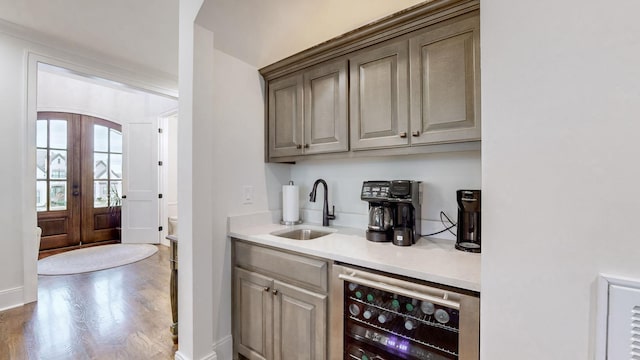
x=51 y=164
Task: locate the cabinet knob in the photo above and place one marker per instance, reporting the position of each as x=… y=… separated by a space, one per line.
x=306 y=146
x=266 y=288
x=403 y=134
x=416 y=133
x=274 y=292
x=298 y=146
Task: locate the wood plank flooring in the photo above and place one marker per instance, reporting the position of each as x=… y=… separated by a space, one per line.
x=119 y=313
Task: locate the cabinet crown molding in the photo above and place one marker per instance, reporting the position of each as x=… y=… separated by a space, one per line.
x=397 y=24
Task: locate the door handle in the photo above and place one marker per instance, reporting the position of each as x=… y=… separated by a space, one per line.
x=75 y=191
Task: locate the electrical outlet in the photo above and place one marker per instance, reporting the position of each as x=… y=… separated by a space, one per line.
x=247 y=194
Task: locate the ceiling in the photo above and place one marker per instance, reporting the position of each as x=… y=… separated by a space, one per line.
x=261 y=32
x=140 y=32
x=145 y=32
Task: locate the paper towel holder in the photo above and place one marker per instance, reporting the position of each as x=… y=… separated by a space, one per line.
x=289 y=223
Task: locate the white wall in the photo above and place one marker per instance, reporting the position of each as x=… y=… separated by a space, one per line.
x=13 y=136
x=559 y=169
x=441 y=175
x=66 y=92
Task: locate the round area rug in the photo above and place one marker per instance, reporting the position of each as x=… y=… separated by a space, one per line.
x=94 y=258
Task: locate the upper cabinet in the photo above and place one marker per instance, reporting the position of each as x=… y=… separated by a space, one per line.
x=408 y=83
x=308 y=111
x=379 y=96
x=445 y=83
x=285 y=116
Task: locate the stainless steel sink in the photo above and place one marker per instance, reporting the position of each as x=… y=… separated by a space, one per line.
x=301 y=233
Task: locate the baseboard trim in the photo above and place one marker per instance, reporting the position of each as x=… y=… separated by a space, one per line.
x=11 y=298
x=224 y=348
x=180 y=356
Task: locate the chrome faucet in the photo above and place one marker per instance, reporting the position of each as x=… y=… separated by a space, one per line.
x=325 y=208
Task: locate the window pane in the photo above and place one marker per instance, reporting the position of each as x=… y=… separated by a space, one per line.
x=116 y=141
x=100 y=166
x=41 y=133
x=58 y=135
x=116 y=193
x=116 y=166
x=58 y=195
x=41 y=164
x=41 y=196
x=100 y=138
x=58 y=164
x=100 y=194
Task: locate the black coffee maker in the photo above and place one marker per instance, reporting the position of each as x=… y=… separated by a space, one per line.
x=405 y=195
x=468 y=238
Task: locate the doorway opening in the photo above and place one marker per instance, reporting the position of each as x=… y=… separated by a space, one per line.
x=108 y=135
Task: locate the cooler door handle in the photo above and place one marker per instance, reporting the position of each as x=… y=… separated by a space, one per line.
x=444 y=301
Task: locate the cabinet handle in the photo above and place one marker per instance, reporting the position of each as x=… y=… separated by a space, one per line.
x=416 y=133
x=274 y=292
x=403 y=134
x=266 y=288
x=306 y=146
x=298 y=146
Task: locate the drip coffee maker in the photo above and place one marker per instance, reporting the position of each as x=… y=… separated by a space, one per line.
x=380 y=227
x=394 y=211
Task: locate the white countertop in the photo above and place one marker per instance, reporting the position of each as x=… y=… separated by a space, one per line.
x=429 y=259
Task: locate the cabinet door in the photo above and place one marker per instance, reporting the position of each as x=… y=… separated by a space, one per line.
x=325 y=108
x=285 y=116
x=445 y=83
x=253 y=315
x=299 y=324
x=379 y=96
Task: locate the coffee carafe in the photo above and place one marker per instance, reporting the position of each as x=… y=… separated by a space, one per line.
x=468 y=236
x=381 y=214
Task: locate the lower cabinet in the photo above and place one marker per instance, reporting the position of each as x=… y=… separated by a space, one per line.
x=274 y=319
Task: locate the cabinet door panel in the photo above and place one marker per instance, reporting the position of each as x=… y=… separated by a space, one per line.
x=285 y=116
x=325 y=106
x=254 y=307
x=379 y=96
x=445 y=83
x=299 y=324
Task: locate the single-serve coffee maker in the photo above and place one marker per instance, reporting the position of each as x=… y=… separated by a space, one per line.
x=394 y=211
x=468 y=238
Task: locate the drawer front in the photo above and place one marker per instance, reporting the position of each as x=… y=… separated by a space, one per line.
x=296 y=269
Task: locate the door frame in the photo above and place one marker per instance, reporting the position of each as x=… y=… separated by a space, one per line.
x=90 y=69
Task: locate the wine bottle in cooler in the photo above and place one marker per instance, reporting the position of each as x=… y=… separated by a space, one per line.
x=410 y=324
x=386 y=317
x=370 y=313
x=355 y=309
x=411 y=307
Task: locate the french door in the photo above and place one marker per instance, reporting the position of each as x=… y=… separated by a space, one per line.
x=79 y=179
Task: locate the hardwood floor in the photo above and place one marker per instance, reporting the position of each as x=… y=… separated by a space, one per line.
x=119 y=313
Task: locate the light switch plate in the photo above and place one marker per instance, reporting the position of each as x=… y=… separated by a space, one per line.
x=247 y=194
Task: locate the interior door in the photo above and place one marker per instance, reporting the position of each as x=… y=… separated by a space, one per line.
x=79 y=177
x=140 y=223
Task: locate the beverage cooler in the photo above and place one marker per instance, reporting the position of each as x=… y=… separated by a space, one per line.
x=384 y=318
